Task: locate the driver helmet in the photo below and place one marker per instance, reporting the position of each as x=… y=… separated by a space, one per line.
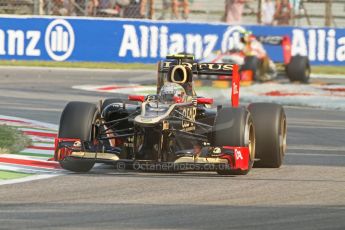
x=171 y=93
x=247 y=36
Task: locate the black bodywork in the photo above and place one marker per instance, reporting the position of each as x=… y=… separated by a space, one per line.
x=161 y=128
x=189 y=123
x=155 y=142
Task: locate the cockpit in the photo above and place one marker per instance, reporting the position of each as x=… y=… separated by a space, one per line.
x=172 y=93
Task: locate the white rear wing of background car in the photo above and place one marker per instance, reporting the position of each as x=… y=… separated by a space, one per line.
x=283 y=41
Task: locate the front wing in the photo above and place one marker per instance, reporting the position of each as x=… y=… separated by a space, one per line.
x=222 y=158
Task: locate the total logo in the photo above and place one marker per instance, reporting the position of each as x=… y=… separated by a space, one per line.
x=59 y=40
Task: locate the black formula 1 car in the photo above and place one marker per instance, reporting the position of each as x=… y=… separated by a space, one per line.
x=174 y=129
x=255 y=63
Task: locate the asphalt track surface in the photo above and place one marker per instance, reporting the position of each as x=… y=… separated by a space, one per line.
x=307 y=192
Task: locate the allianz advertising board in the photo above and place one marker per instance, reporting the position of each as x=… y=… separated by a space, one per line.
x=116 y=40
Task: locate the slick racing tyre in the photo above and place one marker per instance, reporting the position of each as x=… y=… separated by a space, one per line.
x=110 y=101
x=76 y=122
x=235 y=127
x=270 y=133
x=298 y=69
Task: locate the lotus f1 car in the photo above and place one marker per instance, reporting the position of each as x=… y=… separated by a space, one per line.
x=161 y=131
x=258 y=66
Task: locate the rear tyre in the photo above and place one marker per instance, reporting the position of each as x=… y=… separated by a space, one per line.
x=270 y=132
x=76 y=122
x=298 y=69
x=235 y=127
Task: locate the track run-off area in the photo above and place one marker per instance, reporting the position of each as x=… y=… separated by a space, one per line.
x=307 y=192
x=33 y=162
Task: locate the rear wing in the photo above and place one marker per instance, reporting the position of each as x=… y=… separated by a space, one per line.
x=231 y=70
x=271 y=40
x=199 y=68
x=283 y=41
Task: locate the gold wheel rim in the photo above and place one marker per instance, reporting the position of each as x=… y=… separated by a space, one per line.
x=283 y=135
x=251 y=142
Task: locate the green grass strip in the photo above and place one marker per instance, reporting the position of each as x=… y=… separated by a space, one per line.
x=90 y=65
x=7 y=175
x=12 y=140
x=328 y=70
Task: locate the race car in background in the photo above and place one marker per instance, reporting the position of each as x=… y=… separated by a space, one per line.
x=161 y=131
x=256 y=64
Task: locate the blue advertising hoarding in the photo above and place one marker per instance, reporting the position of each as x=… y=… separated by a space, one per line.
x=117 y=40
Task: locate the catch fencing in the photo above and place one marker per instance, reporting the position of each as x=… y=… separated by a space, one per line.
x=305 y=12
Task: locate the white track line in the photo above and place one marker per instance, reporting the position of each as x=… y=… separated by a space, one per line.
x=41 y=139
x=315 y=127
x=33 y=122
x=317 y=148
x=26 y=169
x=316 y=76
x=78 y=69
x=38 y=144
x=315 y=154
x=38 y=130
x=24 y=157
x=328 y=76
x=38 y=151
x=27 y=179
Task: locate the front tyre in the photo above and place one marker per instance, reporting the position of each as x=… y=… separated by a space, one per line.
x=77 y=122
x=270 y=131
x=235 y=127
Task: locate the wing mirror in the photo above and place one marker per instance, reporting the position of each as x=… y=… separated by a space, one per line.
x=204 y=101
x=136 y=98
